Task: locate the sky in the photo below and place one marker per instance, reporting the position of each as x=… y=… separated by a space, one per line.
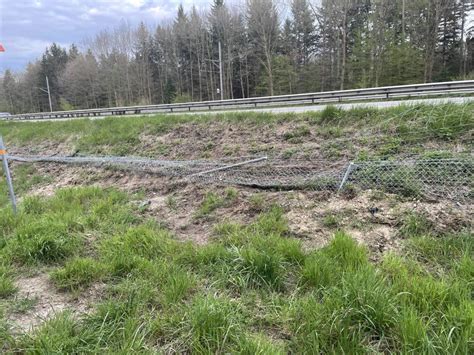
x=27 y=27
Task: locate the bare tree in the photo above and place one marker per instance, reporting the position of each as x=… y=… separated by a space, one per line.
x=263 y=26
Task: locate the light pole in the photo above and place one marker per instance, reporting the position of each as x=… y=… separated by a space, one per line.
x=49 y=95
x=221 y=74
x=48 y=91
x=220 y=71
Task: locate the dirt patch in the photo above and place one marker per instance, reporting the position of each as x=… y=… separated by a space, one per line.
x=47 y=302
x=313 y=217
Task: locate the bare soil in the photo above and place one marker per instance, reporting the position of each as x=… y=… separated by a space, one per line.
x=313 y=217
x=47 y=301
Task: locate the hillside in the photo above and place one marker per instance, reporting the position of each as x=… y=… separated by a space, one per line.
x=102 y=258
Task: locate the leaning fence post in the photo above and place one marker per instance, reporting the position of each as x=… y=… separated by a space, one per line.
x=3 y=154
x=349 y=169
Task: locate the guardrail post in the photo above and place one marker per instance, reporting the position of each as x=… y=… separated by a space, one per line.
x=4 y=155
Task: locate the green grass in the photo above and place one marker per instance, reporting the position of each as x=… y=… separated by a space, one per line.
x=77 y=273
x=7 y=287
x=251 y=289
x=295 y=135
x=25 y=177
x=331 y=221
x=213 y=201
x=413 y=125
x=415 y=225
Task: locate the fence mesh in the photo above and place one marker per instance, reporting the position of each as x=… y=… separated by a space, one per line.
x=439 y=178
x=442 y=178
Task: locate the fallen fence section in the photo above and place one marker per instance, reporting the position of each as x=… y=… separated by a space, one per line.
x=389 y=92
x=433 y=179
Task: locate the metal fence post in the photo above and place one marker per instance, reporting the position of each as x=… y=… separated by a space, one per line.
x=349 y=169
x=4 y=155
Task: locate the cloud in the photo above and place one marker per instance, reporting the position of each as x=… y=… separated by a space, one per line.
x=27 y=27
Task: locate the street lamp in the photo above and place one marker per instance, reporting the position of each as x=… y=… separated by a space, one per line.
x=49 y=94
x=218 y=64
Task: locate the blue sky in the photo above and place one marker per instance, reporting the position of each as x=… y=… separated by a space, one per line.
x=27 y=27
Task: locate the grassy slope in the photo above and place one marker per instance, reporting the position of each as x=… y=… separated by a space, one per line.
x=384 y=132
x=253 y=289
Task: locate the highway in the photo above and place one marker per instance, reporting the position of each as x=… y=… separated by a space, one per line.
x=344 y=106
x=379 y=96
x=289 y=109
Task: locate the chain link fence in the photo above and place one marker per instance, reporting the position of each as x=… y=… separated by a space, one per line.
x=432 y=179
x=421 y=178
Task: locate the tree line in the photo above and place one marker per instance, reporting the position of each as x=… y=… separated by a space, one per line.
x=267 y=49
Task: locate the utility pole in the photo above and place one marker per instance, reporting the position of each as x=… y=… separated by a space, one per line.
x=49 y=95
x=403 y=21
x=220 y=71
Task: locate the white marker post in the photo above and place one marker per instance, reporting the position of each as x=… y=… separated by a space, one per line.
x=4 y=156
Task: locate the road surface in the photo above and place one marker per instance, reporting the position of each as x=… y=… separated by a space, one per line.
x=291 y=109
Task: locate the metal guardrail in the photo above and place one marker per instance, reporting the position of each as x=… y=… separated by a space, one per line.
x=403 y=91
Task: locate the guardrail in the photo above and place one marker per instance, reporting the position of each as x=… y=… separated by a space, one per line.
x=403 y=91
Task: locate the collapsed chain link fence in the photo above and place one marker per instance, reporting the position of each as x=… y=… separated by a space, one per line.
x=433 y=179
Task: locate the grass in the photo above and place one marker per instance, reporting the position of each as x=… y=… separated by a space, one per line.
x=331 y=221
x=296 y=135
x=397 y=130
x=7 y=287
x=25 y=178
x=213 y=201
x=257 y=202
x=77 y=273
x=415 y=225
x=252 y=289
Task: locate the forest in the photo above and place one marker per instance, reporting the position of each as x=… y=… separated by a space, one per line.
x=267 y=48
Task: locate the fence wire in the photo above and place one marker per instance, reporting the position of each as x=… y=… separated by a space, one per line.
x=439 y=178
x=435 y=178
